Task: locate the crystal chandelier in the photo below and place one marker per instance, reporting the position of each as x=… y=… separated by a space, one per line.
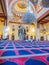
x=28 y=17
x=34 y=1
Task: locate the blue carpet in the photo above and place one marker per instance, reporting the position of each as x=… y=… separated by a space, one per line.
x=16 y=44
x=1 y=47
x=10 y=44
x=19 y=47
x=45 y=50
x=1 y=42
x=27 y=47
x=24 y=52
x=9 y=53
x=9 y=63
x=34 y=62
x=41 y=46
x=47 y=59
x=35 y=47
x=37 y=51
x=9 y=47
x=4 y=44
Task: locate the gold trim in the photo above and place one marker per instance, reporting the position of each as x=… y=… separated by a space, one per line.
x=20 y=6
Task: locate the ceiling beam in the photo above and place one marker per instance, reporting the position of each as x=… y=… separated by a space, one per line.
x=3 y=5
x=42 y=22
x=43 y=18
x=46 y=14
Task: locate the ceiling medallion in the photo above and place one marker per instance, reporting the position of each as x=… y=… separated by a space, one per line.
x=19 y=7
x=21 y=4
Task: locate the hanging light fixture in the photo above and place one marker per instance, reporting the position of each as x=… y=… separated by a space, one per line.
x=45 y=3
x=34 y=1
x=28 y=17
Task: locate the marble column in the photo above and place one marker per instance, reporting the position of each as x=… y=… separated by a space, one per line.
x=5 y=29
x=44 y=36
x=37 y=31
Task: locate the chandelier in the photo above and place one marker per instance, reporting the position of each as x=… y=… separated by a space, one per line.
x=34 y=1
x=28 y=17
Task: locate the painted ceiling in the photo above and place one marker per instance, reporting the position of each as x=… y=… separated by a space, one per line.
x=16 y=8
x=1 y=9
